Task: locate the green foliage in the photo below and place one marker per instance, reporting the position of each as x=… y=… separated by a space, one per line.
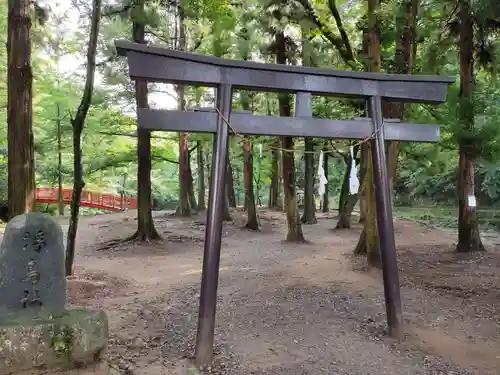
x=427 y=173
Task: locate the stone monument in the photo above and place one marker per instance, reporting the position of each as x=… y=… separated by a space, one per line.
x=37 y=334
x=32 y=279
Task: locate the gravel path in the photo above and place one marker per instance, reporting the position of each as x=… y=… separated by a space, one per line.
x=288 y=309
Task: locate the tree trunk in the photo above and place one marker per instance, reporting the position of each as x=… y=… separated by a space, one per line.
x=184 y=208
x=344 y=190
x=364 y=147
x=207 y=165
x=192 y=198
x=292 y=211
x=345 y=213
x=200 y=165
x=406 y=24
x=469 y=238
x=372 y=239
x=226 y=214
x=372 y=249
x=78 y=185
x=123 y=189
x=281 y=179
x=59 y=164
x=248 y=176
x=237 y=190
x=274 y=187
x=362 y=175
x=231 y=195
x=326 y=200
x=21 y=159
x=288 y=160
x=360 y=248
x=309 y=215
x=252 y=218
x=146 y=230
x=368 y=241
x=347 y=201
x=78 y=123
x=244 y=200
x=404 y=61
x=258 y=182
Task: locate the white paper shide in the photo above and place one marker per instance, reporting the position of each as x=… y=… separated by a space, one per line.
x=353 y=177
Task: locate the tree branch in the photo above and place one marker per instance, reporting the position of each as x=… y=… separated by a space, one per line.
x=162 y=38
x=193 y=148
x=163 y=158
x=343 y=155
x=198 y=43
x=108 y=60
x=86 y=101
x=122 y=161
x=112 y=11
x=340 y=26
x=433 y=113
x=345 y=52
x=70 y=115
x=164 y=92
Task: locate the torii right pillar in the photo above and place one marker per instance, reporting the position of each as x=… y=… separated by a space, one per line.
x=385 y=223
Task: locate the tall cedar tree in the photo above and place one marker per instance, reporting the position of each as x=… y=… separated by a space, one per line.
x=404 y=60
x=146 y=230
x=21 y=160
x=295 y=233
x=231 y=194
x=469 y=238
x=78 y=123
x=347 y=201
x=325 y=207
x=192 y=197
x=368 y=241
x=200 y=165
x=343 y=45
x=251 y=208
x=184 y=208
x=309 y=215
x=274 y=187
x=252 y=222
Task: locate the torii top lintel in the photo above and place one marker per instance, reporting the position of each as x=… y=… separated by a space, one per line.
x=157 y=64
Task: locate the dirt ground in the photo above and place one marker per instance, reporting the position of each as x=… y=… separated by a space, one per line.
x=286 y=308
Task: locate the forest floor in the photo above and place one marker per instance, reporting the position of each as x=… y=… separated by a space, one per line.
x=288 y=308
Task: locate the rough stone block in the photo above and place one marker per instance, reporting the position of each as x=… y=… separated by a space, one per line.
x=32 y=277
x=75 y=339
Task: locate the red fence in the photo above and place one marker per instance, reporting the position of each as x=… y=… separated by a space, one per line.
x=92 y=199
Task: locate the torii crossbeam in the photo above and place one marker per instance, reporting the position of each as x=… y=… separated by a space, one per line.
x=157 y=64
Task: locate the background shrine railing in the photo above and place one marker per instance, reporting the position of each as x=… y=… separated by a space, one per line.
x=91 y=199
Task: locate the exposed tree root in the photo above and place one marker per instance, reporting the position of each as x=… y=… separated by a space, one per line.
x=468 y=248
x=136 y=237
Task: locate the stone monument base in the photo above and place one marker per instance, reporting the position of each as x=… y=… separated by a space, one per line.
x=73 y=344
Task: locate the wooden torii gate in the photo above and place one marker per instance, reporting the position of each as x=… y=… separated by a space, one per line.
x=157 y=64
